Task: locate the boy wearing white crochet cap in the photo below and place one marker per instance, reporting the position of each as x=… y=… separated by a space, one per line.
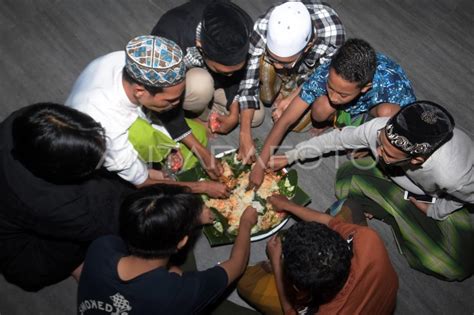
x=287 y=44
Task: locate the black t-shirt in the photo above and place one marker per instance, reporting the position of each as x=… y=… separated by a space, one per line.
x=179 y=24
x=158 y=291
x=45 y=228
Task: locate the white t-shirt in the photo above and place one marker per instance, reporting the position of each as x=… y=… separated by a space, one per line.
x=99 y=93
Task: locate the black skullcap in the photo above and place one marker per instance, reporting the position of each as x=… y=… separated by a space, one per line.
x=420 y=128
x=225 y=32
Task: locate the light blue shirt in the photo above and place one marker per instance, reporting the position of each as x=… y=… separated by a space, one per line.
x=389 y=85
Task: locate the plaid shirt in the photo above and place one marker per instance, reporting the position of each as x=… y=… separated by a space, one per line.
x=329 y=33
x=193 y=57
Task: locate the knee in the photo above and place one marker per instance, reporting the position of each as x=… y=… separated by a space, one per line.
x=199 y=90
x=321 y=110
x=248 y=281
x=385 y=110
x=258 y=116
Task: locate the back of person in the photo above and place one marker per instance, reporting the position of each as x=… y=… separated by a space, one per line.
x=179 y=24
x=372 y=285
x=53 y=201
x=98 y=90
x=158 y=291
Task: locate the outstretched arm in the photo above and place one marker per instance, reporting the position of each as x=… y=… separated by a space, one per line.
x=305 y=214
x=246 y=151
x=211 y=188
x=274 y=251
x=212 y=166
x=290 y=116
x=239 y=256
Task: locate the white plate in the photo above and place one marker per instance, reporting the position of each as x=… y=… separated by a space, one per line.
x=271 y=232
x=277 y=227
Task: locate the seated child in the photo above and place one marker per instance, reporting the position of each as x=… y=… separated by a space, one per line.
x=132 y=273
x=322 y=265
x=355 y=84
x=357 y=81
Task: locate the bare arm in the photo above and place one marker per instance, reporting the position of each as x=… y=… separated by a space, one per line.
x=208 y=161
x=239 y=256
x=305 y=214
x=211 y=188
x=274 y=250
x=246 y=151
x=290 y=116
x=385 y=110
x=321 y=110
x=282 y=104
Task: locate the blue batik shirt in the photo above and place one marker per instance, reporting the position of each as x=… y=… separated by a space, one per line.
x=389 y=85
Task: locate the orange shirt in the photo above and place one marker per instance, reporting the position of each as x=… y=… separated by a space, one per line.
x=372 y=285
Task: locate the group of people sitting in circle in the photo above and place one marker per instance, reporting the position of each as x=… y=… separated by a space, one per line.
x=87 y=189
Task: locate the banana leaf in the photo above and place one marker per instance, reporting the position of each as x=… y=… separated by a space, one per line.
x=217 y=238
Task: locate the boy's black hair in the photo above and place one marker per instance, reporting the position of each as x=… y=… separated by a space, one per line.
x=355 y=61
x=225 y=32
x=153 y=90
x=316 y=260
x=154 y=219
x=57 y=143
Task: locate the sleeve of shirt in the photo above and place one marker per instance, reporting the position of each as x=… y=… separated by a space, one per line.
x=454 y=201
x=249 y=86
x=315 y=86
x=174 y=122
x=122 y=157
x=211 y=283
x=348 y=138
x=391 y=84
x=443 y=207
x=330 y=32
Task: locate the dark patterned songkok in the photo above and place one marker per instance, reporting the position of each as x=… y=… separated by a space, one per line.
x=420 y=128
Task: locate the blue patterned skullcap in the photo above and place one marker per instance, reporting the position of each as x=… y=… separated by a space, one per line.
x=155 y=61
